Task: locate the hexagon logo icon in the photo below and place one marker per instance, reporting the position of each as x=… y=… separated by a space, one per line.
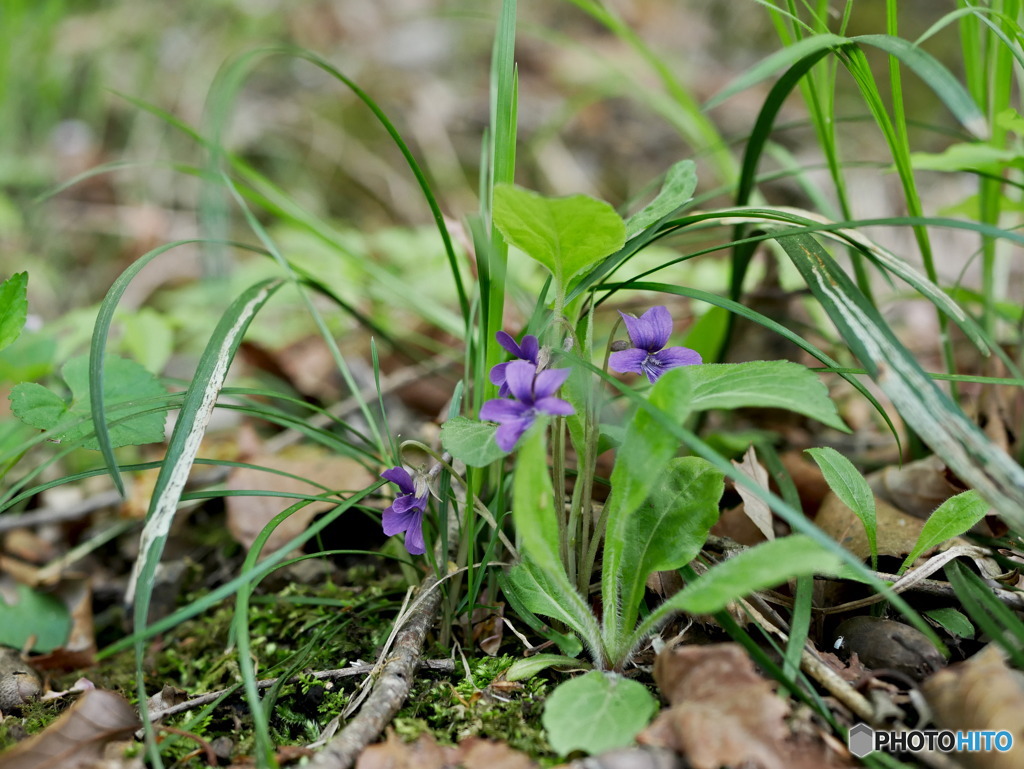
x=861 y=740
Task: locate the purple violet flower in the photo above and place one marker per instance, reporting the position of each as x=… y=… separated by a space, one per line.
x=406 y=512
x=532 y=394
x=648 y=355
x=528 y=350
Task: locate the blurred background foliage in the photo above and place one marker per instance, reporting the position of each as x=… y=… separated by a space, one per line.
x=595 y=117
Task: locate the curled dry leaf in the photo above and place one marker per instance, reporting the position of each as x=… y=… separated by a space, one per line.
x=756 y=509
x=917 y=487
x=984 y=694
x=77 y=739
x=724 y=714
x=247 y=515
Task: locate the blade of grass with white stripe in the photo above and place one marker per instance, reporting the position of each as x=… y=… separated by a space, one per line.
x=932 y=414
x=196 y=410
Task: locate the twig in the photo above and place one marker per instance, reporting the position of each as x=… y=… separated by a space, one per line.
x=391 y=687
x=445 y=666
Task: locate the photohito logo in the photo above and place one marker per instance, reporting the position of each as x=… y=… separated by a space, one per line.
x=862 y=739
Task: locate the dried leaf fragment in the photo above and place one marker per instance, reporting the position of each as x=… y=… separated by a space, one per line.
x=725 y=714
x=77 y=739
x=757 y=509
x=982 y=694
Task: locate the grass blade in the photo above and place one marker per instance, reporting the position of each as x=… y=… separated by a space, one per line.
x=932 y=414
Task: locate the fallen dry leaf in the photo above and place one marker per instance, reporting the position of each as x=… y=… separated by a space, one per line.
x=248 y=515
x=425 y=753
x=724 y=714
x=897 y=532
x=916 y=488
x=77 y=739
x=984 y=694
x=755 y=508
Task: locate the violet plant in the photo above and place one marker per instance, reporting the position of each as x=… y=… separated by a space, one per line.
x=549 y=422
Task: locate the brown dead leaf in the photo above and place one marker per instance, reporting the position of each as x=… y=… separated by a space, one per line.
x=850 y=671
x=756 y=509
x=737 y=526
x=393 y=753
x=724 y=714
x=916 y=488
x=478 y=753
x=425 y=753
x=77 y=739
x=984 y=694
x=248 y=515
x=897 y=532
x=489 y=629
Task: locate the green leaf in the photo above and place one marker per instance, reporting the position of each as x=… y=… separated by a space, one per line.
x=966 y=156
x=471 y=441
x=952 y=621
x=13 y=307
x=764 y=384
x=852 y=490
x=648 y=446
x=527 y=587
x=528 y=667
x=34 y=614
x=668 y=530
x=680 y=182
x=951 y=519
x=30 y=358
x=597 y=712
x=126 y=386
x=149 y=338
x=764 y=566
x=533 y=502
x=566 y=235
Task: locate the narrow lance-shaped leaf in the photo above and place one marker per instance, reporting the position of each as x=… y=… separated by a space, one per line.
x=852 y=489
x=533 y=502
x=668 y=530
x=566 y=235
x=527 y=587
x=925 y=408
x=952 y=518
x=648 y=446
x=760 y=567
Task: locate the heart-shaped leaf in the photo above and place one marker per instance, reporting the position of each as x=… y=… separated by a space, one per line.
x=566 y=235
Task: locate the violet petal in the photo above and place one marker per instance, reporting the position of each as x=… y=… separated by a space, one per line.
x=555 y=406
x=519 y=378
x=549 y=380
x=510 y=432
x=628 y=361
x=400 y=477
x=502 y=410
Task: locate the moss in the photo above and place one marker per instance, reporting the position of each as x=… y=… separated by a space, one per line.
x=480 y=705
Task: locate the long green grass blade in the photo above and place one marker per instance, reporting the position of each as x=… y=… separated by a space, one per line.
x=98 y=349
x=931 y=413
